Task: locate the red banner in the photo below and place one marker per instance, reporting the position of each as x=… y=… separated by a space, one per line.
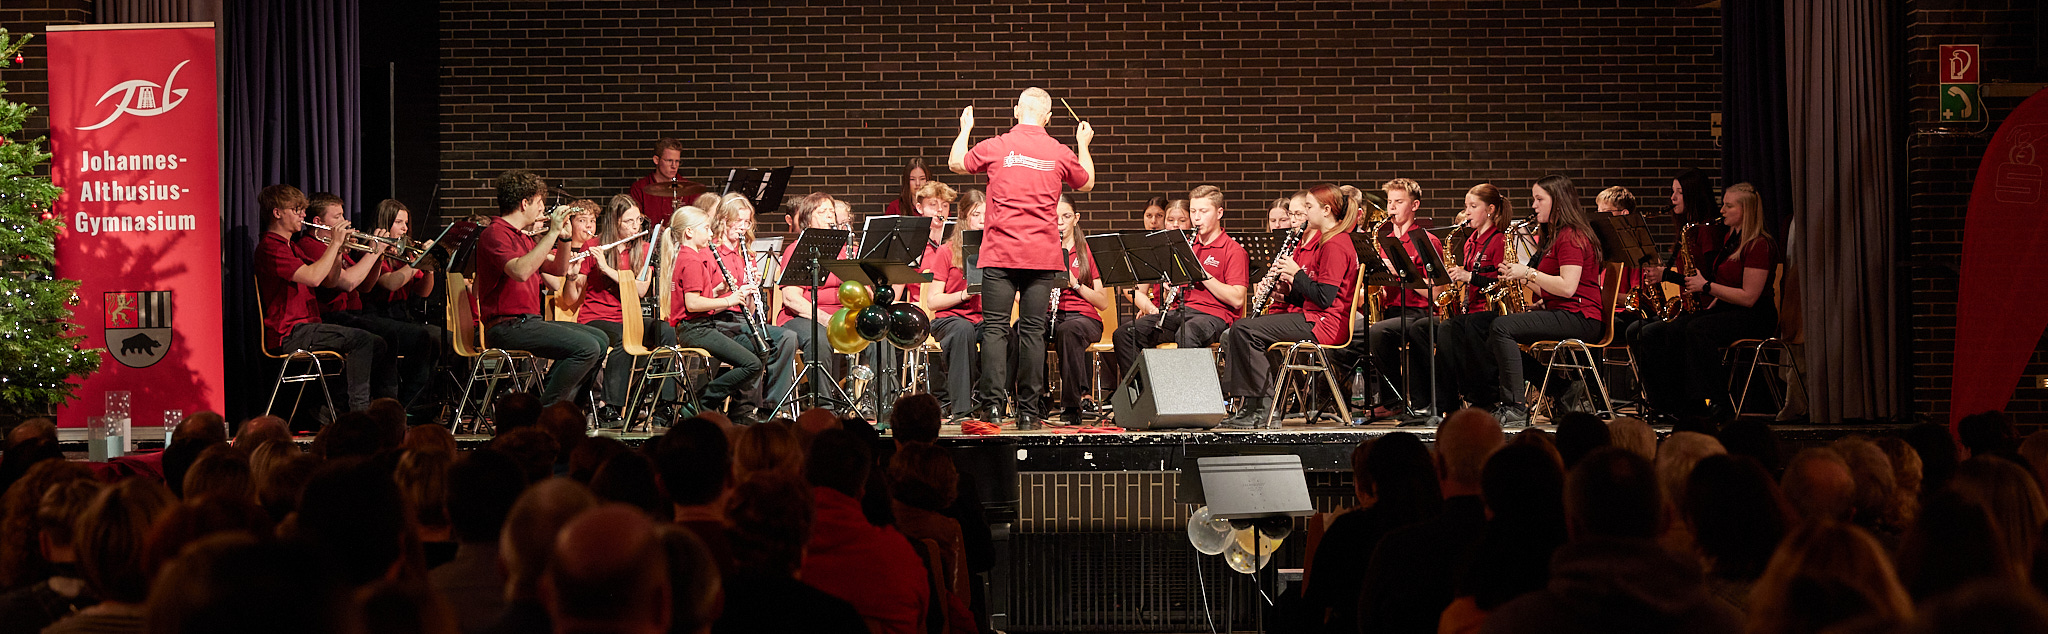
x=134 y=125
x=1997 y=323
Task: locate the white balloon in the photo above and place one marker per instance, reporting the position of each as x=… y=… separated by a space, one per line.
x=1209 y=535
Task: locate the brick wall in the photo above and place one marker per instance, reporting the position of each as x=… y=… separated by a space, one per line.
x=1258 y=98
x=1941 y=169
x=28 y=83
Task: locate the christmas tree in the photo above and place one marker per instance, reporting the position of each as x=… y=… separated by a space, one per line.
x=38 y=351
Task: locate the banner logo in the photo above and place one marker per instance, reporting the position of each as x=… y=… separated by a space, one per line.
x=138 y=326
x=143 y=98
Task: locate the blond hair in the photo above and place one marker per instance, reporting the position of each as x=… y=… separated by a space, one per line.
x=729 y=209
x=1211 y=192
x=934 y=189
x=1752 y=225
x=1405 y=185
x=1617 y=196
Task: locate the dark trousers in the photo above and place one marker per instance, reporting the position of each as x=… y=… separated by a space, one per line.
x=1247 y=369
x=1383 y=341
x=1681 y=359
x=1183 y=327
x=1032 y=291
x=952 y=370
x=818 y=348
x=758 y=397
x=1466 y=369
x=576 y=349
x=618 y=365
x=1509 y=331
x=1072 y=333
x=745 y=361
x=367 y=367
x=419 y=343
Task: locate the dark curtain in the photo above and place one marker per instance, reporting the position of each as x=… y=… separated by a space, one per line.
x=1753 y=147
x=145 y=11
x=291 y=114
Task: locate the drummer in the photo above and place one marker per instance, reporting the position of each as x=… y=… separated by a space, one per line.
x=661 y=192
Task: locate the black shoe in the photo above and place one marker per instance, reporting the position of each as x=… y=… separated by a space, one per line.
x=1028 y=422
x=1072 y=416
x=1512 y=415
x=609 y=417
x=1250 y=415
x=742 y=420
x=1422 y=419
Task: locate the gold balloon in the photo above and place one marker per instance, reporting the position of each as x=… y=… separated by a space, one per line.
x=841 y=334
x=856 y=295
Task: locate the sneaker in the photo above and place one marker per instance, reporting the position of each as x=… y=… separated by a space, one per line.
x=1512 y=415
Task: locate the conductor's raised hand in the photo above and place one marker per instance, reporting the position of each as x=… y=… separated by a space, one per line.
x=967 y=118
x=1084 y=133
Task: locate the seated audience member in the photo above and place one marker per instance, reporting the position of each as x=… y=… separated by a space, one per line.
x=770 y=520
x=1818 y=484
x=527 y=545
x=1826 y=573
x=566 y=423
x=351 y=435
x=1396 y=486
x=1415 y=570
x=2035 y=449
x=390 y=417
x=2008 y=491
x=279 y=488
x=429 y=438
x=422 y=478
x=1906 y=477
x=629 y=478
x=238 y=583
x=1578 y=434
x=34 y=607
x=262 y=429
x=401 y=605
x=221 y=471
x=1954 y=543
x=1755 y=439
x=1523 y=487
x=1984 y=607
x=592 y=453
x=696 y=470
x=872 y=567
x=534 y=450
x=693 y=580
x=1613 y=576
x=922 y=484
x=267 y=456
x=1875 y=506
x=193 y=436
x=514 y=410
x=1634 y=434
x=609 y=574
x=482 y=487
x=1674 y=462
x=1737 y=517
x=21 y=559
x=767 y=448
x=24 y=455
x=916 y=420
x=1938 y=451
x=1988 y=433
x=353 y=512
x=195 y=519
x=109 y=541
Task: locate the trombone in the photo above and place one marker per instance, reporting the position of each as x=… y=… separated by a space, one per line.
x=401 y=250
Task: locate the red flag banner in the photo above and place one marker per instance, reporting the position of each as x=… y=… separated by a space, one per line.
x=134 y=127
x=1997 y=324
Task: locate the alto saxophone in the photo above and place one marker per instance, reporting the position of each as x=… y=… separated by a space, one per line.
x=1451 y=302
x=1687 y=267
x=1506 y=296
x=1262 y=295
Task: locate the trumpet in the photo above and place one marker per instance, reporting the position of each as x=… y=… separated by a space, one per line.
x=548 y=221
x=402 y=250
x=603 y=247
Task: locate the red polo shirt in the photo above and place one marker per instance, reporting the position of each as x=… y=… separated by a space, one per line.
x=1025 y=169
x=1409 y=297
x=601 y=292
x=827 y=297
x=497 y=294
x=1225 y=260
x=659 y=208
x=377 y=294
x=1567 y=248
x=1761 y=254
x=285 y=303
x=331 y=300
x=1333 y=262
x=735 y=261
x=693 y=274
x=1484 y=248
x=1082 y=267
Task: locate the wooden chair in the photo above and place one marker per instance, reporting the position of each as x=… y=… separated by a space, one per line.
x=1774 y=352
x=1308 y=356
x=487 y=364
x=1105 y=345
x=1575 y=354
x=642 y=371
x=312 y=368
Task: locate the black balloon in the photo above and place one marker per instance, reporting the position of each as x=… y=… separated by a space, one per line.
x=884 y=294
x=907 y=326
x=872 y=323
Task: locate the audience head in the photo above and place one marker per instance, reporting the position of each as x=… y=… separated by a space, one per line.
x=21 y=559
x=514 y=410
x=1633 y=434
x=1613 y=493
x=768 y=447
x=629 y=478
x=610 y=573
x=1399 y=475
x=422 y=477
x=1983 y=607
x=564 y=421
x=351 y=435
x=1524 y=486
x=221 y=471
x=38 y=427
x=916 y=418
x=693 y=579
x=1755 y=439
x=482 y=487
x=279 y=488
x=1536 y=437
x=429 y=437
x=266 y=456
x=815 y=420
x=390 y=417
x=22 y=456
x=205 y=427
x=1875 y=506
x=196 y=518
x=695 y=462
x=193 y=435
x=1938 y=451
x=923 y=476
x=402 y=606
x=237 y=583
x=1737 y=515
x=533 y=448
x=1955 y=542
x=1463 y=443
x=1826 y=573
x=592 y=453
x=55 y=522
x=1905 y=476
x=2008 y=491
x=839 y=461
x=527 y=542
x=353 y=511
x=1579 y=433
x=770 y=518
x=111 y=535
x=1986 y=433
x=262 y=429
x=1675 y=460
x=1819 y=485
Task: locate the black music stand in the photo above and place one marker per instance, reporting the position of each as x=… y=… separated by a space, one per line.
x=1259 y=249
x=888 y=245
x=460 y=241
x=1624 y=238
x=763 y=187
x=1398 y=270
x=805 y=268
x=970 y=260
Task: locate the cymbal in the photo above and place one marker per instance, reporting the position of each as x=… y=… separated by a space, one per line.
x=675 y=189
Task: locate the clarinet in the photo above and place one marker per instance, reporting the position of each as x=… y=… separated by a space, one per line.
x=1263 y=295
x=1052 y=309
x=1174 y=293
x=752 y=310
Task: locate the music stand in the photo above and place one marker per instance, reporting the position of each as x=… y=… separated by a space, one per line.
x=884 y=258
x=1259 y=248
x=813 y=248
x=460 y=240
x=1624 y=238
x=763 y=187
x=970 y=260
x=1260 y=492
x=1407 y=273
x=1114 y=264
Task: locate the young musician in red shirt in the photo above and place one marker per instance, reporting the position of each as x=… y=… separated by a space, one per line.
x=915 y=176
x=1077 y=318
x=1203 y=310
x=1019 y=263
x=341 y=299
x=660 y=192
x=1313 y=290
x=1567 y=281
x=291 y=314
x=1404 y=312
x=509 y=265
x=1145 y=297
x=398 y=284
x=699 y=294
x=595 y=290
x=956 y=315
x=1681 y=358
x=818 y=210
x=1465 y=366
x=733 y=224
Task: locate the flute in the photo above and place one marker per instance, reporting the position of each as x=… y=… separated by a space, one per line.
x=579 y=257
